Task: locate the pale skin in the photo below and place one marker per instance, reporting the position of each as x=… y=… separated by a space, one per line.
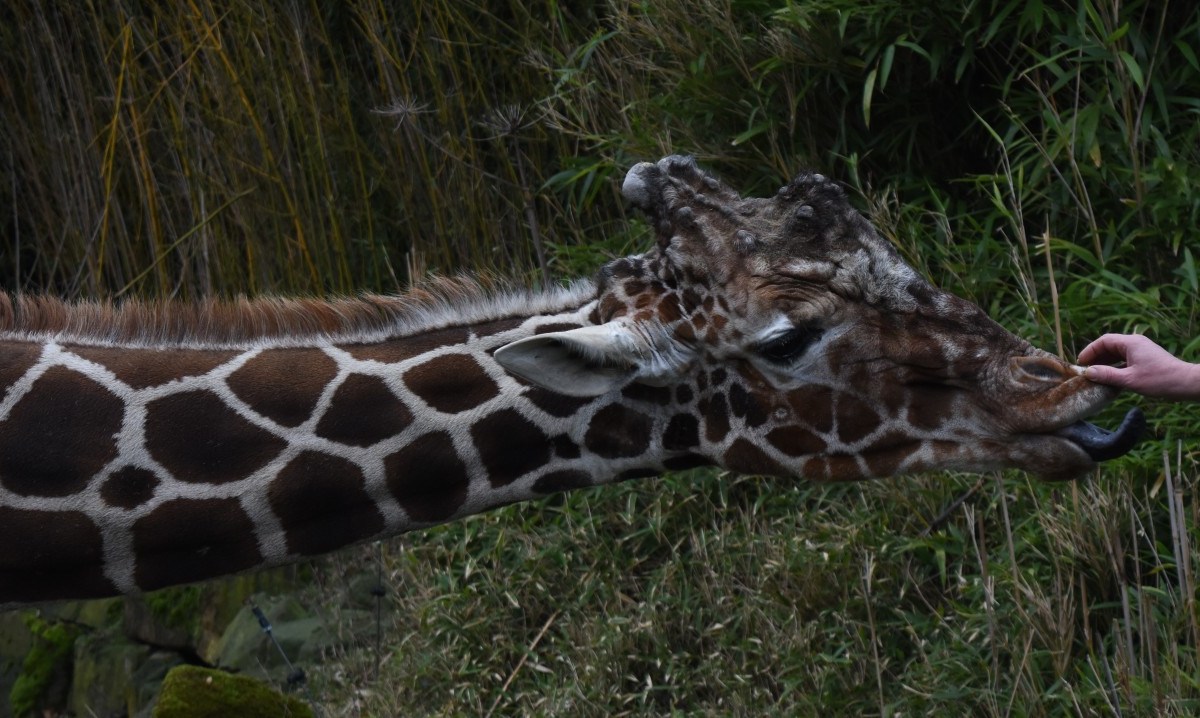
x=1148 y=369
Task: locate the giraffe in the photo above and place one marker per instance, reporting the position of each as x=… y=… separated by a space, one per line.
x=147 y=445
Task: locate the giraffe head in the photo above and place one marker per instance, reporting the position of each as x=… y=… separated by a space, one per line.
x=801 y=344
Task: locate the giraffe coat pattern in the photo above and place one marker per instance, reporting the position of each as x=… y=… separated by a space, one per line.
x=146 y=446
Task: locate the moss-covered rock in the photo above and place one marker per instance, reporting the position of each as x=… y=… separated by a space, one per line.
x=194 y=692
x=16 y=641
x=146 y=682
x=169 y=618
x=98 y=614
x=45 y=674
x=302 y=636
x=104 y=666
x=244 y=647
x=223 y=600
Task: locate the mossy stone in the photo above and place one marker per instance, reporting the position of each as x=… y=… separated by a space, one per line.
x=46 y=671
x=224 y=599
x=195 y=692
x=103 y=669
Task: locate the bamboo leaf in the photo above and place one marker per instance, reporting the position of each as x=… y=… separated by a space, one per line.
x=868 y=92
x=885 y=65
x=1135 y=70
x=1188 y=53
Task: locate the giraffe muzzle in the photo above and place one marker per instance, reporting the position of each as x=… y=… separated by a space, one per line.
x=1101 y=444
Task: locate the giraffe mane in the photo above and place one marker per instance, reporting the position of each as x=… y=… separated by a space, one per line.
x=241 y=321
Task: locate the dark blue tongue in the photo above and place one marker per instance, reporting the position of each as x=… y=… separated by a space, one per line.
x=1101 y=444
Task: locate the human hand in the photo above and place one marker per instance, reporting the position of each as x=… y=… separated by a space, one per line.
x=1149 y=369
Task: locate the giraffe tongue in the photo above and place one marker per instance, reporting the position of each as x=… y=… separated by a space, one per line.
x=1101 y=444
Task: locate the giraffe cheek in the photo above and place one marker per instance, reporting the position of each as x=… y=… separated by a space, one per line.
x=886 y=462
x=617 y=431
x=815 y=404
x=562 y=481
x=932 y=407
x=796 y=441
x=682 y=433
x=746 y=458
x=855 y=419
x=716 y=417
x=747 y=406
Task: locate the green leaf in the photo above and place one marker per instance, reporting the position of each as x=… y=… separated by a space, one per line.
x=1187 y=270
x=1135 y=70
x=1188 y=53
x=751 y=133
x=868 y=92
x=885 y=65
x=1117 y=34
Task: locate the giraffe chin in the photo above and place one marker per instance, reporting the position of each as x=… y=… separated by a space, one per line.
x=1100 y=444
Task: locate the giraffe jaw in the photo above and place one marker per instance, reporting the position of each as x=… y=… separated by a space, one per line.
x=1101 y=444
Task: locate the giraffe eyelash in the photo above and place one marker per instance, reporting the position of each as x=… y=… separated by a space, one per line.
x=791 y=345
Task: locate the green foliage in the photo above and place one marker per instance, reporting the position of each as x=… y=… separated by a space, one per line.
x=49 y=660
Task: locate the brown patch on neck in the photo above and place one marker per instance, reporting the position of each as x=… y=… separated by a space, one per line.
x=284 y=385
x=58 y=435
x=397 y=350
x=143 y=368
x=15 y=360
x=66 y=559
x=192 y=539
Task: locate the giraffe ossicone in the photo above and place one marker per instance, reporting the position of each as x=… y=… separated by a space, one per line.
x=148 y=445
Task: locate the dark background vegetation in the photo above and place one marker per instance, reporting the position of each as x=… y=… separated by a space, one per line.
x=1039 y=157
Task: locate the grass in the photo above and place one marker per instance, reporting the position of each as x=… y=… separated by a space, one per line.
x=713 y=594
x=1040 y=159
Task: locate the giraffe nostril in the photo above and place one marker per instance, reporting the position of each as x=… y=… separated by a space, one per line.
x=1039 y=369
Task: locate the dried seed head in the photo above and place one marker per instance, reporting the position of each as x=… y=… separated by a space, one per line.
x=403 y=109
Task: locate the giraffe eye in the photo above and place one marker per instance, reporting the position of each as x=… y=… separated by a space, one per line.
x=791 y=345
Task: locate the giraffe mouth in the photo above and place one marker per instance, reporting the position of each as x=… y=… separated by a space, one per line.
x=1101 y=444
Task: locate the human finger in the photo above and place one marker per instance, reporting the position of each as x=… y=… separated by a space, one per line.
x=1108 y=349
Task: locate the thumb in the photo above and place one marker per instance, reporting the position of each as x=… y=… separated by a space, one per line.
x=1102 y=374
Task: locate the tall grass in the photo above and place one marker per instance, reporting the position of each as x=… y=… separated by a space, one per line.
x=1039 y=158
x=204 y=148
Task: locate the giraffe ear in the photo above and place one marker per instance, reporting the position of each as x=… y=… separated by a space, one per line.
x=588 y=361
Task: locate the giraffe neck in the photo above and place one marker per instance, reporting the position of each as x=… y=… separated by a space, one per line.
x=165 y=464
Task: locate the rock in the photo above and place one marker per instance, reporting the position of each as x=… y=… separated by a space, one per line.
x=104 y=667
x=244 y=647
x=119 y=664
x=16 y=641
x=194 y=692
x=169 y=618
x=147 y=680
x=223 y=600
x=44 y=676
x=303 y=638
x=96 y=614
